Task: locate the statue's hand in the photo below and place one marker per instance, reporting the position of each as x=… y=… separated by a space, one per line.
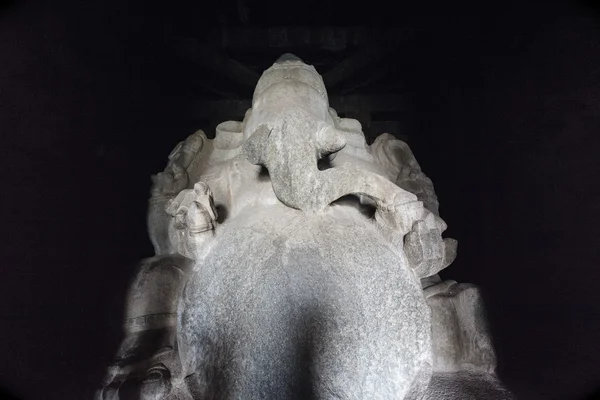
x=184 y=153
x=427 y=253
x=400 y=214
x=170 y=182
x=165 y=186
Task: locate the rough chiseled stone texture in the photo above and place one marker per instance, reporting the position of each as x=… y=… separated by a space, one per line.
x=147 y=364
x=462 y=340
x=294 y=129
x=402 y=168
x=294 y=261
x=465 y=385
x=288 y=303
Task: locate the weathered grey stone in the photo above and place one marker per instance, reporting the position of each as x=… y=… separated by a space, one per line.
x=287 y=303
x=462 y=338
x=425 y=250
x=466 y=385
x=166 y=185
x=147 y=364
x=290 y=300
x=403 y=169
x=148 y=360
x=314 y=266
x=291 y=128
x=193 y=219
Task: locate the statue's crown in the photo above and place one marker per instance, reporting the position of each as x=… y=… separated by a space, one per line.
x=289 y=66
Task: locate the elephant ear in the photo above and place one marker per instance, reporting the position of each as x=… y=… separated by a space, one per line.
x=255 y=147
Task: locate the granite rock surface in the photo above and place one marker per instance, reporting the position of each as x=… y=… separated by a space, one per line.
x=295 y=261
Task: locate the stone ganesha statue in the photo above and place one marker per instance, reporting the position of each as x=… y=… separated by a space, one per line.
x=278 y=278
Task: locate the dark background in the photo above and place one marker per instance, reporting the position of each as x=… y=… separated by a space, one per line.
x=505 y=106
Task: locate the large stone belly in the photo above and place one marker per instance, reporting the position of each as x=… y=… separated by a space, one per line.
x=288 y=305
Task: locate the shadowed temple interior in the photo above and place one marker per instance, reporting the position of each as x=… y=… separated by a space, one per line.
x=214 y=198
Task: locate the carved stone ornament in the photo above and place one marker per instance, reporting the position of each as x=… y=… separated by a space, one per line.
x=294 y=261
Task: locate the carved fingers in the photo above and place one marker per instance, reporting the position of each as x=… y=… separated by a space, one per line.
x=426 y=251
x=172 y=181
x=188 y=149
x=175 y=178
x=400 y=214
x=419 y=232
x=185 y=151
